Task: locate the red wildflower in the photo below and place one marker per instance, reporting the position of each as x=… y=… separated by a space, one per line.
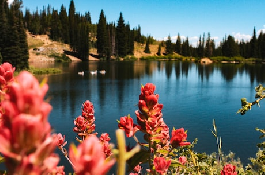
x=61 y=140
x=161 y=165
x=126 y=123
x=147 y=90
x=182 y=160
x=88 y=110
x=178 y=138
x=229 y=169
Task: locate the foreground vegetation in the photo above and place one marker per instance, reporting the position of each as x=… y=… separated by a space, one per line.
x=28 y=144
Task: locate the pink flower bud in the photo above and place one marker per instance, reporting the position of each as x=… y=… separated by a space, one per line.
x=229 y=169
x=182 y=160
x=161 y=165
x=178 y=138
x=89 y=158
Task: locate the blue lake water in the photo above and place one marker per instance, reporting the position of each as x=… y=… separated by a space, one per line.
x=192 y=94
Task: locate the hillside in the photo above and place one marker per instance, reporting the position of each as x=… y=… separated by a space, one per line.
x=41 y=48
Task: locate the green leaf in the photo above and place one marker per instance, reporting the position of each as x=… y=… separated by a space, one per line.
x=214 y=134
x=214 y=127
x=203 y=164
x=141 y=156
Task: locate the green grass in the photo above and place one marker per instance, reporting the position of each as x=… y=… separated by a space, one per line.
x=41 y=71
x=34 y=43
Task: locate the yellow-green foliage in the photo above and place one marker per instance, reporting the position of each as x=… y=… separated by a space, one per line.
x=34 y=43
x=39 y=71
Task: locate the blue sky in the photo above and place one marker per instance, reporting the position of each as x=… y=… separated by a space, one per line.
x=161 y=18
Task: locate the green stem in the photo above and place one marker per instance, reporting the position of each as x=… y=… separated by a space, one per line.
x=150 y=155
x=122 y=152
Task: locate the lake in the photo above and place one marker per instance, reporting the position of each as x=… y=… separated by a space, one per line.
x=192 y=94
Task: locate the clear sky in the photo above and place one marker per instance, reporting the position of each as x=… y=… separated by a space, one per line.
x=161 y=18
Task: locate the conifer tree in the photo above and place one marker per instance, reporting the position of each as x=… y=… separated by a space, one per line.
x=72 y=24
x=56 y=28
x=111 y=39
x=64 y=25
x=23 y=60
x=230 y=47
x=121 y=43
x=88 y=17
x=254 y=45
x=209 y=46
x=186 y=47
x=147 y=49
x=159 y=50
x=138 y=34
x=178 y=45
x=11 y=51
x=3 y=26
x=83 y=39
x=15 y=48
x=169 y=48
x=43 y=22
x=27 y=19
x=130 y=40
x=35 y=23
x=200 y=48
x=102 y=43
x=261 y=45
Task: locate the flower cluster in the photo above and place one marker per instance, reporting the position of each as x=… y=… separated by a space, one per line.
x=26 y=140
x=28 y=144
x=6 y=75
x=151 y=123
x=229 y=170
x=85 y=124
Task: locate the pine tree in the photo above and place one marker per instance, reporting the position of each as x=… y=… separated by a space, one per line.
x=3 y=26
x=83 y=39
x=23 y=60
x=159 y=50
x=200 y=48
x=102 y=35
x=43 y=22
x=27 y=19
x=15 y=50
x=88 y=17
x=178 y=45
x=35 y=23
x=72 y=25
x=169 y=48
x=261 y=45
x=185 y=48
x=11 y=51
x=121 y=43
x=254 y=45
x=230 y=47
x=130 y=40
x=64 y=25
x=111 y=39
x=209 y=46
x=56 y=28
x=147 y=49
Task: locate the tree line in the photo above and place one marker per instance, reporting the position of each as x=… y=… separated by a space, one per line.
x=229 y=47
x=76 y=29
x=109 y=38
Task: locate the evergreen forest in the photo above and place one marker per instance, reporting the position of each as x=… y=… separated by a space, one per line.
x=111 y=39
